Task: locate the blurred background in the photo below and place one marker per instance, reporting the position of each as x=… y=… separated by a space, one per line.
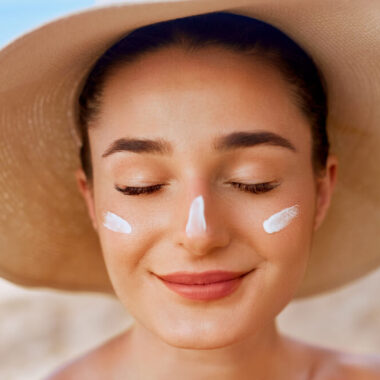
x=42 y=329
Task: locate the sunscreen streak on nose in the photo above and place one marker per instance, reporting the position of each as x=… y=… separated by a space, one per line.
x=115 y=223
x=196 y=222
x=281 y=219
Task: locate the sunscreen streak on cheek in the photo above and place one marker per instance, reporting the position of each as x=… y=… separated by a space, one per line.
x=196 y=222
x=281 y=219
x=115 y=223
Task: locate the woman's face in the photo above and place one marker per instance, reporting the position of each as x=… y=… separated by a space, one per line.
x=198 y=220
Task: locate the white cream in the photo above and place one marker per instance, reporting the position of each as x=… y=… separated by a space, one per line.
x=281 y=219
x=115 y=223
x=196 y=222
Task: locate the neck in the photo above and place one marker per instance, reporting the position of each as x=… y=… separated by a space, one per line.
x=264 y=355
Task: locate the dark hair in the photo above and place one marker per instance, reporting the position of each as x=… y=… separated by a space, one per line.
x=237 y=33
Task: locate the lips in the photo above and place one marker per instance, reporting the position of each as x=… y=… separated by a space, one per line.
x=205 y=286
x=208 y=277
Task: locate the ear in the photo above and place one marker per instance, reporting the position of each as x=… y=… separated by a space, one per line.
x=87 y=193
x=325 y=189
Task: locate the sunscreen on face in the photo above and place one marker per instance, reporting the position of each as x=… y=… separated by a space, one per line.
x=281 y=219
x=196 y=222
x=115 y=223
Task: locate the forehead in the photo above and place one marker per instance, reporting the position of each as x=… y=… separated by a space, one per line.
x=192 y=96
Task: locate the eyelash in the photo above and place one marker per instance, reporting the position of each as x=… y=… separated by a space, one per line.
x=257 y=188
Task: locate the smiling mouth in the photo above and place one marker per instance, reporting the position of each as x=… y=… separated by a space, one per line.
x=206 y=291
x=202 y=278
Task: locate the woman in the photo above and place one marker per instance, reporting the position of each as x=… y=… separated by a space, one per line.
x=206 y=174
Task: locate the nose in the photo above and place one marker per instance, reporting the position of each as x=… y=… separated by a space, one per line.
x=203 y=229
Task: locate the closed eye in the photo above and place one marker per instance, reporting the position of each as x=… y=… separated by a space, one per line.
x=132 y=190
x=256 y=188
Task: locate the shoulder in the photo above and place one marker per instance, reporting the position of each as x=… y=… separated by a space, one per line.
x=337 y=365
x=357 y=366
x=98 y=363
x=86 y=366
x=331 y=364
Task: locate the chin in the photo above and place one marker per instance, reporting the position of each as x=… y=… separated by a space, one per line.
x=206 y=336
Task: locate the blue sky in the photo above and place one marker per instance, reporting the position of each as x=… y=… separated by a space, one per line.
x=19 y=16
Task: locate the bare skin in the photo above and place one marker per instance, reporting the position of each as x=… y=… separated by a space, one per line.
x=299 y=361
x=181 y=98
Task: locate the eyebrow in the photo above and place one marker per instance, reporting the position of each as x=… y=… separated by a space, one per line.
x=230 y=141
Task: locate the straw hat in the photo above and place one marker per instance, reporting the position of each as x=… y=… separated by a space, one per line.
x=46 y=237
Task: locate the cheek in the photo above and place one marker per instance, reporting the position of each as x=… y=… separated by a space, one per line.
x=287 y=251
x=122 y=235
x=289 y=246
x=282 y=256
x=280 y=219
x=280 y=229
x=116 y=223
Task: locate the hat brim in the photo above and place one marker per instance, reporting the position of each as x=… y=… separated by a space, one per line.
x=46 y=237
